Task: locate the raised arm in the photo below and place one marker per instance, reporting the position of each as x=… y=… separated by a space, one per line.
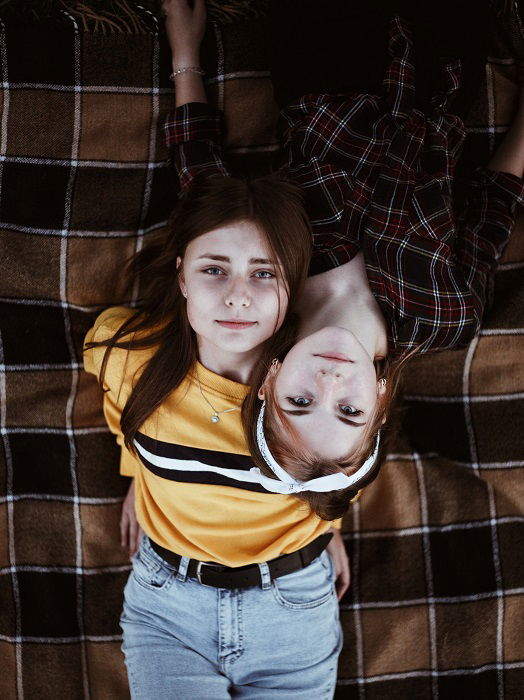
x=185 y=28
x=194 y=130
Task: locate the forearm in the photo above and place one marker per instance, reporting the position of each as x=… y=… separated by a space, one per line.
x=185 y=28
x=509 y=156
x=189 y=87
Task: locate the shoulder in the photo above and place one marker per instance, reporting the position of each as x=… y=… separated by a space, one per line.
x=122 y=364
x=108 y=322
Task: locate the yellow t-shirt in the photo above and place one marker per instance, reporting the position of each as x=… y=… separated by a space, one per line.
x=194 y=493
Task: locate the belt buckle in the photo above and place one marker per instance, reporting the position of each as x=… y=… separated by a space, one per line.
x=199 y=570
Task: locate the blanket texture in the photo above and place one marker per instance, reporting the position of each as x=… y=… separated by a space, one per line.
x=435 y=609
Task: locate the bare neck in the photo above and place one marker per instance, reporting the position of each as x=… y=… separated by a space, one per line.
x=342 y=297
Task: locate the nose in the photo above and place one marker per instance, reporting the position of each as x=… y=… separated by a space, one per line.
x=328 y=376
x=237 y=295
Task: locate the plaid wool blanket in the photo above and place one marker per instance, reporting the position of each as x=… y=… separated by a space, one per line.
x=435 y=609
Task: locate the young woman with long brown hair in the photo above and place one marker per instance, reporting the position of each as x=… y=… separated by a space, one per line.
x=395 y=270
x=232 y=593
x=202 y=610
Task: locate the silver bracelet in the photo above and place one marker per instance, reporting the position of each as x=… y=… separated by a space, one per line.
x=186 y=69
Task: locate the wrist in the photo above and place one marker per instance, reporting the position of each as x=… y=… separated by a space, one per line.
x=185 y=59
x=181 y=73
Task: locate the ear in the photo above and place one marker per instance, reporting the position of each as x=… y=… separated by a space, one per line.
x=181 y=282
x=273 y=369
x=381 y=390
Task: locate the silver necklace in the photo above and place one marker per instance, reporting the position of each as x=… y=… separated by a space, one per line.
x=215 y=417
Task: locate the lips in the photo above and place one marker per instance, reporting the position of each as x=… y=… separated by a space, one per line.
x=336 y=356
x=237 y=325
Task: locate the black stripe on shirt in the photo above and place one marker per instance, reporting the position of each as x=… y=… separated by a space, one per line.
x=227 y=460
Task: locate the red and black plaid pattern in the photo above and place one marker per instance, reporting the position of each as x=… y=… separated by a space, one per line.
x=377 y=176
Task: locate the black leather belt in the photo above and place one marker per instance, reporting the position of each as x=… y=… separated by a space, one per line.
x=245 y=576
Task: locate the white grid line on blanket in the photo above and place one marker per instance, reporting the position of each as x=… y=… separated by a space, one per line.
x=220 y=64
x=490 y=93
x=55 y=303
x=11 y=528
x=500 y=129
x=18 y=430
x=465 y=398
x=3 y=410
x=432 y=529
x=355 y=589
x=500 y=599
x=430 y=591
x=435 y=600
x=73 y=233
x=239 y=74
x=86 y=571
x=62 y=640
x=401 y=675
x=87 y=89
x=40 y=367
x=81 y=500
x=64 y=248
x=501 y=331
x=399 y=456
x=506 y=267
x=80 y=163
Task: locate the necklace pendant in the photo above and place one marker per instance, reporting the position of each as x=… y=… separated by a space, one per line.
x=215 y=418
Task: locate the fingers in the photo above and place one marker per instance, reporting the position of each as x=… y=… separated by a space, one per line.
x=124 y=529
x=199 y=9
x=138 y=539
x=342 y=583
x=134 y=536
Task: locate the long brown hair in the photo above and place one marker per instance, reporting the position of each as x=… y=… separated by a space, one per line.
x=161 y=319
x=288 y=449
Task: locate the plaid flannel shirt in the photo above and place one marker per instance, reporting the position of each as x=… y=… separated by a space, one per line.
x=377 y=174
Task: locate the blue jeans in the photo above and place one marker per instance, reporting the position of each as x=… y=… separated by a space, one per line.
x=187 y=641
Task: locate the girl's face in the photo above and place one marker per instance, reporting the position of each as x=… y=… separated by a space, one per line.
x=236 y=295
x=327 y=387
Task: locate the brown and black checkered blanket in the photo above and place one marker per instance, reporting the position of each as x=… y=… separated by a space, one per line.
x=435 y=609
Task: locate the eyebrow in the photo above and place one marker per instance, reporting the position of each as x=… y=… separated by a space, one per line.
x=224 y=258
x=301 y=412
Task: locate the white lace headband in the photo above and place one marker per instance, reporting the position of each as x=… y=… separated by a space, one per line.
x=288 y=484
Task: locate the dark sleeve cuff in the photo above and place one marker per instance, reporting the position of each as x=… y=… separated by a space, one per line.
x=194 y=121
x=509 y=185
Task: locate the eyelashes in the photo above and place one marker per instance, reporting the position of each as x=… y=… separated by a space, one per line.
x=213 y=271
x=303 y=402
x=299 y=401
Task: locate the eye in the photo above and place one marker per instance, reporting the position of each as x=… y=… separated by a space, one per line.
x=213 y=271
x=264 y=274
x=349 y=410
x=299 y=401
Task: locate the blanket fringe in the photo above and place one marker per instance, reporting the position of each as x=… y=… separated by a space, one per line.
x=104 y=16
x=124 y=16
x=116 y=16
x=226 y=11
